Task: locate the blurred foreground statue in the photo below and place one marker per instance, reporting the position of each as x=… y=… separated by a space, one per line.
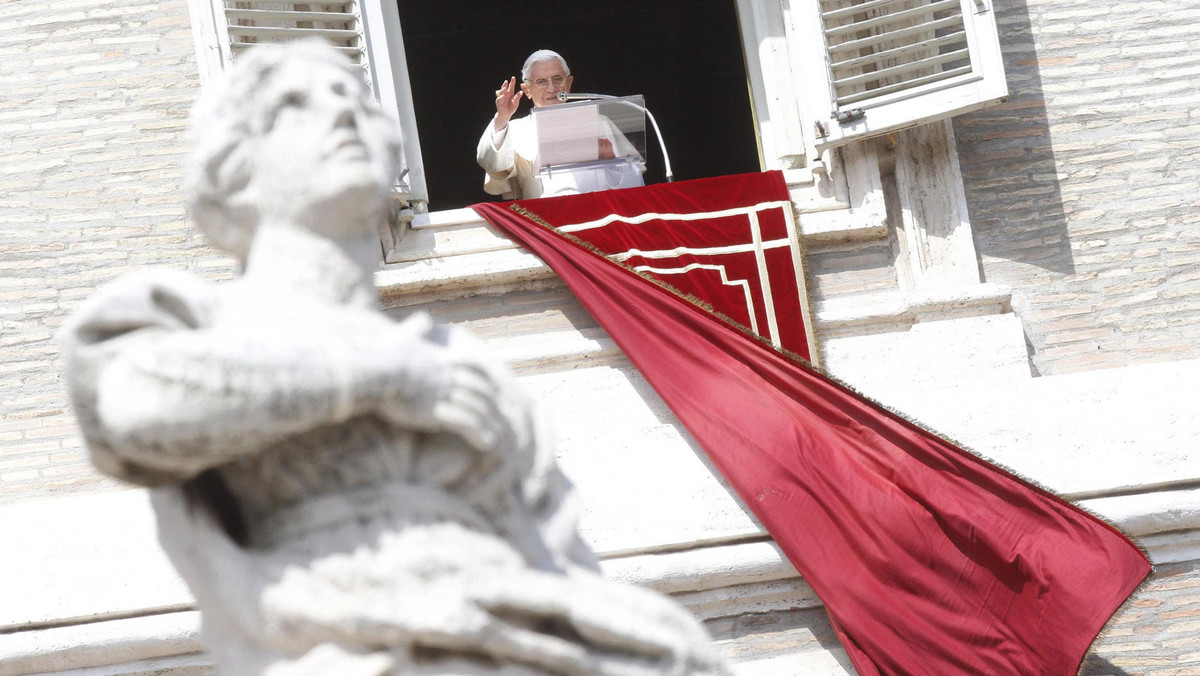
x=342 y=493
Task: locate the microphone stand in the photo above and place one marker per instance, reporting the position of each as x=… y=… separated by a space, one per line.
x=564 y=96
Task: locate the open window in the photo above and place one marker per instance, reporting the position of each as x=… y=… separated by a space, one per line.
x=683 y=57
x=873 y=66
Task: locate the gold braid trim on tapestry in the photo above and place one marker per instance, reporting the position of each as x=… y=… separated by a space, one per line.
x=807 y=365
x=698 y=302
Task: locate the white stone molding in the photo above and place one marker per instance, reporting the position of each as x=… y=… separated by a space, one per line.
x=712 y=582
x=934 y=230
x=774 y=87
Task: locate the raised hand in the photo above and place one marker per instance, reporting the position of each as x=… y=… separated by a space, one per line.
x=508 y=98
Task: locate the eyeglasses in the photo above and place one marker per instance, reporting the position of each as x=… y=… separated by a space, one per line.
x=542 y=83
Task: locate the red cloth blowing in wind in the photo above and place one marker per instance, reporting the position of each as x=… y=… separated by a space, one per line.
x=928 y=559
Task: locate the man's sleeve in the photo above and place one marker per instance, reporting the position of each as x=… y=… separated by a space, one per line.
x=496 y=156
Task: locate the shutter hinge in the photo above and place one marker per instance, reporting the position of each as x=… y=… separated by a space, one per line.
x=848 y=116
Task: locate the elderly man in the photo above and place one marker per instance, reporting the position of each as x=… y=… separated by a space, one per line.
x=343 y=494
x=508 y=148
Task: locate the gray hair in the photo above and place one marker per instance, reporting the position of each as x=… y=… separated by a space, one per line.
x=232 y=112
x=540 y=56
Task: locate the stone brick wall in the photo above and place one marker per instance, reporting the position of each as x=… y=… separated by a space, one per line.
x=1083 y=187
x=1158 y=632
x=94 y=97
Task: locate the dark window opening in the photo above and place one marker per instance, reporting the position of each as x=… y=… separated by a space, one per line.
x=685 y=57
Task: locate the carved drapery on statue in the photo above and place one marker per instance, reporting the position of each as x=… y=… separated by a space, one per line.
x=928 y=559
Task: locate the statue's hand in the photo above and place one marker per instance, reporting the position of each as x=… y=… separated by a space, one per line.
x=446 y=382
x=471 y=403
x=467 y=598
x=614 y=628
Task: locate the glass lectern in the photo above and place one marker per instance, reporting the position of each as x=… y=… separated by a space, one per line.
x=591 y=145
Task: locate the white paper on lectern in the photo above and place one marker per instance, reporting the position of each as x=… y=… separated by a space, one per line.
x=567 y=135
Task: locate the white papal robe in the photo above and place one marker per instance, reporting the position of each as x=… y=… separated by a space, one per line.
x=509 y=160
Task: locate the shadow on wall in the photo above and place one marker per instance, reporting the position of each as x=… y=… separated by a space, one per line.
x=782 y=634
x=1095 y=665
x=1008 y=164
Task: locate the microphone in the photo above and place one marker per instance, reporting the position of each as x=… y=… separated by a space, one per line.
x=566 y=96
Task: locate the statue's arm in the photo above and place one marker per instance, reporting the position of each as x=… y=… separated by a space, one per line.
x=162 y=395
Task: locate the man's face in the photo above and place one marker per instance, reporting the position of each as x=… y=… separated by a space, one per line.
x=546 y=80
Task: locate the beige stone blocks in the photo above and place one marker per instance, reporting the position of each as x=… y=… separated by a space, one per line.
x=1106 y=96
x=93 y=116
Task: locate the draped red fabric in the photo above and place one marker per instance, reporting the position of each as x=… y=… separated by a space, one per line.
x=740 y=255
x=928 y=559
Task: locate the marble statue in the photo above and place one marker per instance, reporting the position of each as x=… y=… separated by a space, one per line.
x=343 y=494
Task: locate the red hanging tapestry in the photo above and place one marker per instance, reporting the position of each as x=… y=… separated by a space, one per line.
x=929 y=560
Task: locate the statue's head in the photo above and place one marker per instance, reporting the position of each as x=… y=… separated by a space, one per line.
x=293 y=134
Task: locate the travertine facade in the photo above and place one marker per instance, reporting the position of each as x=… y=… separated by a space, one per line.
x=93 y=117
x=1080 y=190
x=1083 y=187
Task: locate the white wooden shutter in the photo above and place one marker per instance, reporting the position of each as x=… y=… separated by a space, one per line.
x=889 y=64
x=255 y=22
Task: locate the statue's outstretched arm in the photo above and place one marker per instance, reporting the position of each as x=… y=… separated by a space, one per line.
x=162 y=394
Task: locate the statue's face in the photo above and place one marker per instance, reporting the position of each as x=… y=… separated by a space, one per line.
x=321 y=157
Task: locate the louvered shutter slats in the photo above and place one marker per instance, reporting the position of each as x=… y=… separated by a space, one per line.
x=907 y=84
x=898 y=52
x=865 y=47
x=351 y=52
x=842 y=13
x=253 y=15
x=281 y=33
x=882 y=47
x=885 y=21
x=258 y=22
x=903 y=70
